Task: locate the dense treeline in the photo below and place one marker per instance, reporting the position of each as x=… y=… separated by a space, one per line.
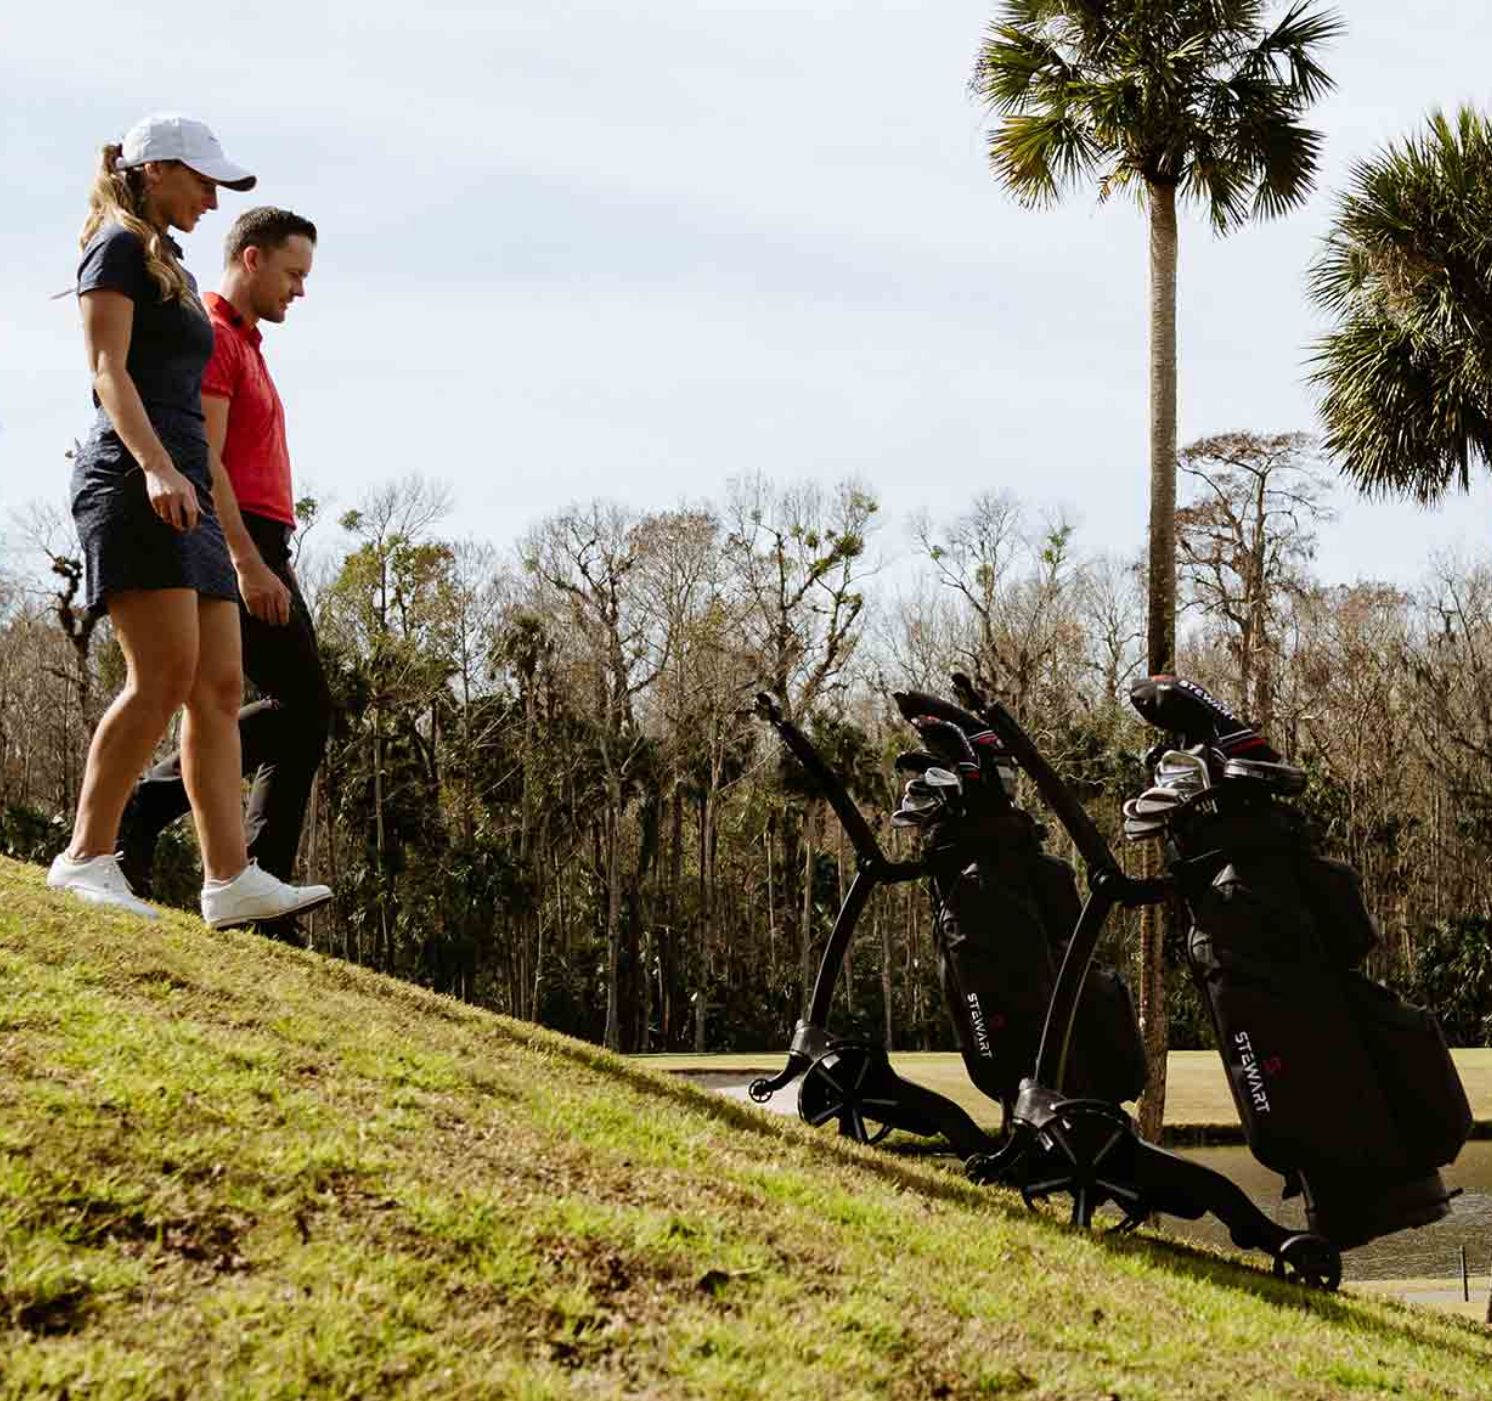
x=545 y=791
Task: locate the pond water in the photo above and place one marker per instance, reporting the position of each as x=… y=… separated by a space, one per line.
x=1432 y=1252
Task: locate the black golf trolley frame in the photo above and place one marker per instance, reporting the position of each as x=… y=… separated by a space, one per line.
x=1051 y=1144
x=851 y=1082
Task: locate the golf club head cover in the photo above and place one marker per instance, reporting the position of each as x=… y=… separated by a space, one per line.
x=1182 y=707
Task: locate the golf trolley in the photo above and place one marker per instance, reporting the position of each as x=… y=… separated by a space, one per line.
x=1343 y=1088
x=851 y=1082
x=1053 y=1142
x=1090 y=1149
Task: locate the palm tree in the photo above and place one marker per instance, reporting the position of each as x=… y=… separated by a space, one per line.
x=1406 y=274
x=1195 y=100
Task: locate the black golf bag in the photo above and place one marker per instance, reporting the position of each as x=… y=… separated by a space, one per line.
x=1003 y=911
x=1343 y=1088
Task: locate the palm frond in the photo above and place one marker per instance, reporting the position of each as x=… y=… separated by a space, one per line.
x=1302 y=32
x=1218 y=181
x=1288 y=156
x=1014 y=66
x=1399 y=421
x=1405 y=376
x=1202 y=95
x=1036 y=156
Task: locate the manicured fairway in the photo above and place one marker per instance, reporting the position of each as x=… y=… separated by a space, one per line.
x=1196 y=1087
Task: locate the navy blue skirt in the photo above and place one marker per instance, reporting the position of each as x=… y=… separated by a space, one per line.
x=125 y=544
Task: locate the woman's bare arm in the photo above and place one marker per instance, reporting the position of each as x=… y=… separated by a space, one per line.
x=107 y=321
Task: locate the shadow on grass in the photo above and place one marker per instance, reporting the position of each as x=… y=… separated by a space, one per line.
x=1351 y=1314
x=914 y=1168
x=48 y=1313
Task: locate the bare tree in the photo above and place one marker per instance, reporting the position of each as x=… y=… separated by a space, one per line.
x=1112 y=608
x=1015 y=585
x=1246 y=539
x=387 y=605
x=589 y=557
x=798 y=554
x=694 y=600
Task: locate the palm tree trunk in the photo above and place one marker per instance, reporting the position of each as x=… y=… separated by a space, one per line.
x=1161 y=620
x=1161 y=616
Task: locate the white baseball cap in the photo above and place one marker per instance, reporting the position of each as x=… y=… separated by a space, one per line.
x=169 y=136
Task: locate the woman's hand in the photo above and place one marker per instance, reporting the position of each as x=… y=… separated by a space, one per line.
x=172 y=497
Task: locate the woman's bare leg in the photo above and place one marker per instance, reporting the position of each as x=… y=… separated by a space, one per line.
x=210 y=763
x=157 y=632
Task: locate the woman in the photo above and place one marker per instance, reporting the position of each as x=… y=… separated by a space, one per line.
x=153 y=548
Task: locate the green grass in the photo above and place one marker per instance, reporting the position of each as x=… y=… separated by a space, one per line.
x=228 y=1168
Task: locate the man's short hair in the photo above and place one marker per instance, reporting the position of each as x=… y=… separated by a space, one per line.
x=264 y=227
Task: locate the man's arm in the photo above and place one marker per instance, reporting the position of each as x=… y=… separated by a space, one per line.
x=264 y=592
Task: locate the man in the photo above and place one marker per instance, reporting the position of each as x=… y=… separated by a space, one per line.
x=268 y=257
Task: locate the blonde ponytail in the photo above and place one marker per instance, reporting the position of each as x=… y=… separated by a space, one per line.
x=119 y=195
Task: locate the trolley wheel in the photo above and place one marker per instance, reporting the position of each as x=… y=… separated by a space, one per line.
x=1310 y=1260
x=1086 y=1151
x=848 y=1083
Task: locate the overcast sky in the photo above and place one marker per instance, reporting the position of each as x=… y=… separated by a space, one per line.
x=571 y=250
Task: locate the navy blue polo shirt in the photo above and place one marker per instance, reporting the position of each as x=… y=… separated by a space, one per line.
x=170 y=341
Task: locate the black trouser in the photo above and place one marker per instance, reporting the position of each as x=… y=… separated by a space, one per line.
x=283 y=735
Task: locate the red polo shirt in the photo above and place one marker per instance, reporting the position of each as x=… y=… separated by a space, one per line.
x=255 y=454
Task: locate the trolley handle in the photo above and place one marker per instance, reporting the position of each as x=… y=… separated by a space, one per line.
x=829 y=783
x=1056 y=794
x=1104 y=871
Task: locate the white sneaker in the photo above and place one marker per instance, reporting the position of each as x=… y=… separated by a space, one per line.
x=99 y=881
x=253 y=895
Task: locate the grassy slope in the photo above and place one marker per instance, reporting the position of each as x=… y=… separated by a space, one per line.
x=230 y=1168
